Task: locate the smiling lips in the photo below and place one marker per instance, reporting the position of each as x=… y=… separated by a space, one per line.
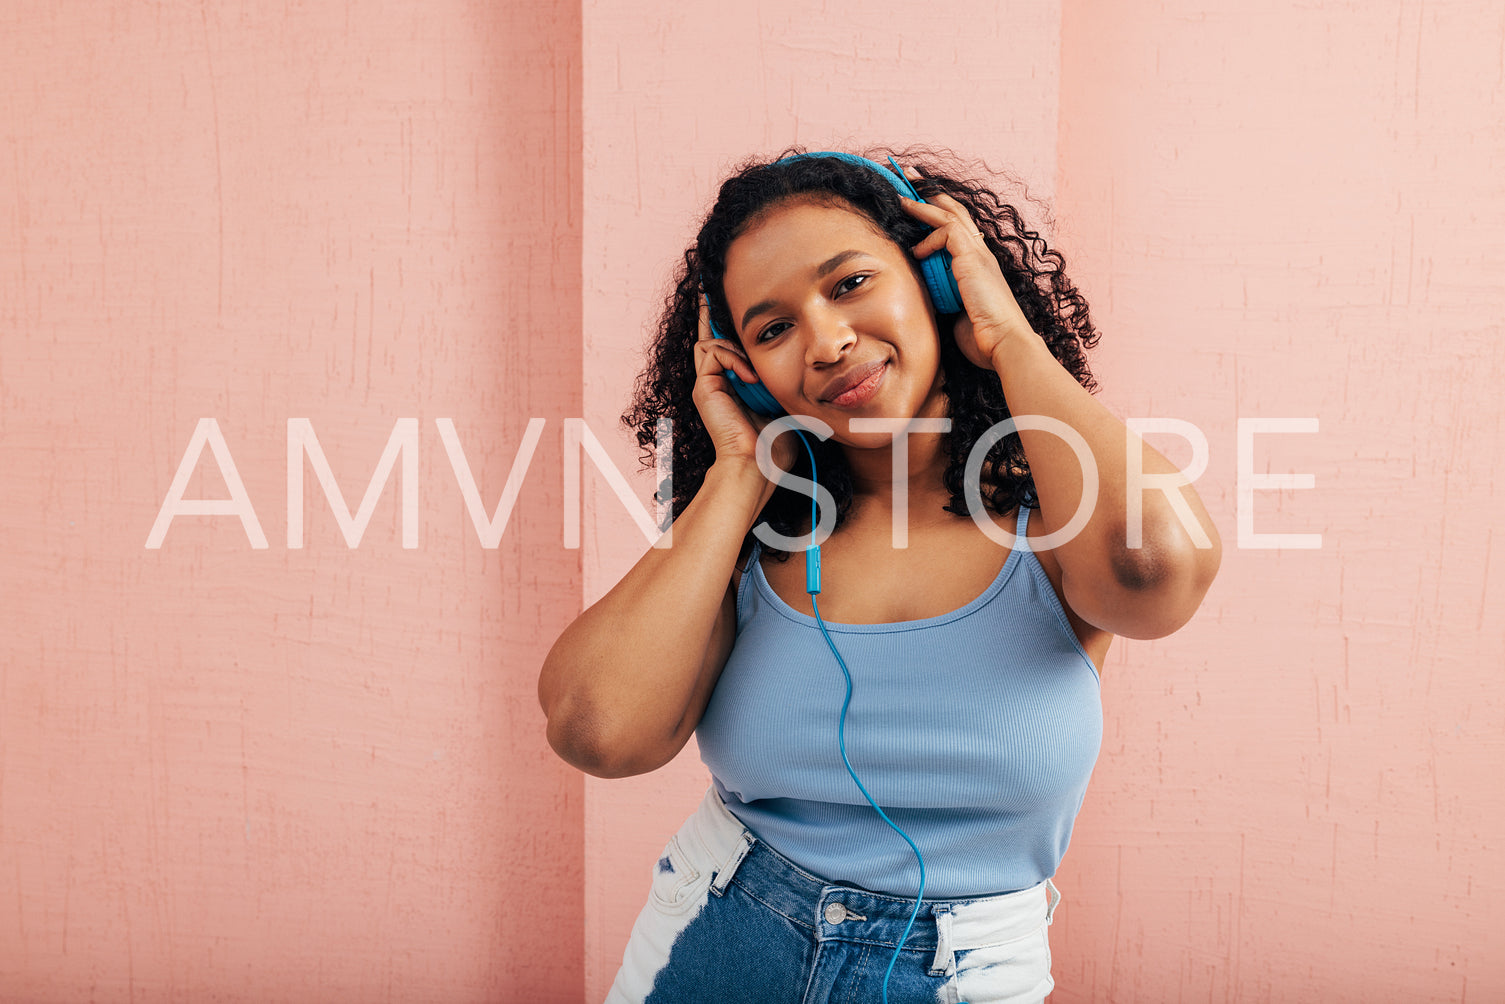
x=855 y=386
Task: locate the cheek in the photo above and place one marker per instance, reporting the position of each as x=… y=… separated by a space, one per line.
x=779 y=369
x=900 y=316
x=913 y=309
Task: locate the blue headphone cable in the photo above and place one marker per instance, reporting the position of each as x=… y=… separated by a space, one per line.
x=812 y=586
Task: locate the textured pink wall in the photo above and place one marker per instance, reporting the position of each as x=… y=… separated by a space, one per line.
x=312 y=774
x=1296 y=211
x=319 y=774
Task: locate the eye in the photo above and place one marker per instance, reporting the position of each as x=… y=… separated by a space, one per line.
x=772 y=331
x=851 y=282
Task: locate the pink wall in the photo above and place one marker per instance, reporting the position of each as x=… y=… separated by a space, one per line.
x=319 y=774
x=279 y=774
x=1298 y=797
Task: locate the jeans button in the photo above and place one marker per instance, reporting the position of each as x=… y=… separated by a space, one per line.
x=835 y=913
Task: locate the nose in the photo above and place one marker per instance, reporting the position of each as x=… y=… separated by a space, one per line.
x=829 y=337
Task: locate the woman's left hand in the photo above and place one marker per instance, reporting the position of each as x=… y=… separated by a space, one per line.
x=991 y=315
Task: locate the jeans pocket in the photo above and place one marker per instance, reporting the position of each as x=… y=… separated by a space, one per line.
x=679 y=881
x=1014 y=972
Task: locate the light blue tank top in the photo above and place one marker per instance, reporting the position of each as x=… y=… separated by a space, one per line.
x=976 y=730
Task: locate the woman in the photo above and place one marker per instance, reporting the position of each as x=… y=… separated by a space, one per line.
x=939 y=683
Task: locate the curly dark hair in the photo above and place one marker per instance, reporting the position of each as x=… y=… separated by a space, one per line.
x=1035 y=274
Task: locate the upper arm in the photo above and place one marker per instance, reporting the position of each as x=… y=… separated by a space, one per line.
x=718 y=649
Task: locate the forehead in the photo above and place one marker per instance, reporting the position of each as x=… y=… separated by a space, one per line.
x=799 y=235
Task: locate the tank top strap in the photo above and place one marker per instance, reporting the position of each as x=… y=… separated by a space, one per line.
x=745 y=584
x=1021 y=525
x=748 y=571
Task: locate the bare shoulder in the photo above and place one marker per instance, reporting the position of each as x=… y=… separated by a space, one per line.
x=1094 y=639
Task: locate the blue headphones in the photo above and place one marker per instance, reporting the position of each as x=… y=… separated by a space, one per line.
x=936 y=268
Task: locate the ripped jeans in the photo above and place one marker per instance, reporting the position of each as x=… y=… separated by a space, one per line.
x=731 y=920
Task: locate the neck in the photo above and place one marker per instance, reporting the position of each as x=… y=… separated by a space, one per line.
x=876 y=484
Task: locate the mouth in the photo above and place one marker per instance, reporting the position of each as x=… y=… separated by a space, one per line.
x=856 y=386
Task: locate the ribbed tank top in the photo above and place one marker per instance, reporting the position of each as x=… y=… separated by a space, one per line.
x=976 y=730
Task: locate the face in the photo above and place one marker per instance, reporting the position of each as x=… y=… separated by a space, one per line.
x=822 y=299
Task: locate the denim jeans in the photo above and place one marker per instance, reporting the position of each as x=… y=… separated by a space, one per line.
x=730 y=920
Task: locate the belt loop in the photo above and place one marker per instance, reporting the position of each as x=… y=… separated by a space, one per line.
x=944 y=963
x=1053 y=897
x=729 y=867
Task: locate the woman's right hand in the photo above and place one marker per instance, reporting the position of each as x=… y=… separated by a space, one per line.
x=732 y=426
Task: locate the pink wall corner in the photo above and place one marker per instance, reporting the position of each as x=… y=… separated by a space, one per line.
x=1293 y=213
x=314 y=774
x=670 y=105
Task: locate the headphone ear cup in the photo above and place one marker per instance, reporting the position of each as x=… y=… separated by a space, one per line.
x=755 y=396
x=940 y=283
x=945 y=295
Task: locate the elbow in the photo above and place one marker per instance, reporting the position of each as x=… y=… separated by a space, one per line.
x=601 y=720
x=1168 y=553
x=585 y=739
x=574 y=728
x=1170 y=556
x=1153 y=591
x=576 y=743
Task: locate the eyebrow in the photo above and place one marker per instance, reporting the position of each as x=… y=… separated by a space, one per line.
x=825 y=268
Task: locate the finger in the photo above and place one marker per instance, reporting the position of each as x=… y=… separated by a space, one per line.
x=954 y=236
x=944 y=201
x=915 y=178
x=939 y=210
x=954 y=211
x=708 y=339
x=713 y=355
x=931 y=244
x=926 y=212
x=705 y=320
